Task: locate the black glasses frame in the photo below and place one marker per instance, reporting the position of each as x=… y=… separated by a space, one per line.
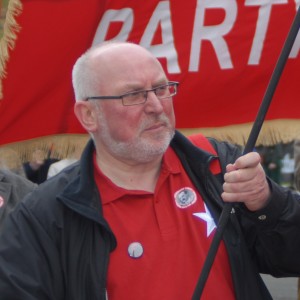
x=145 y=94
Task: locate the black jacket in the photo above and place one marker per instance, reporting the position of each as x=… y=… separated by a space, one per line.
x=13 y=188
x=56 y=243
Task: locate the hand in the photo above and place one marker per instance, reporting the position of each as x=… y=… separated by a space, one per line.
x=245 y=181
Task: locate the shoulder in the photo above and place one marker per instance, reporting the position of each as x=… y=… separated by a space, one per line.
x=43 y=205
x=16 y=180
x=13 y=188
x=226 y=149
x=54 y=186
x=60 y=165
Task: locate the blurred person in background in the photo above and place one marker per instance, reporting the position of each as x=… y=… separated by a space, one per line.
x=36 y=170
x=297 y=180
x=13 y=188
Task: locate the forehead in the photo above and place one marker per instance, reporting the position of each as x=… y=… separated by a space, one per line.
x=125 y=62
x=120 y=49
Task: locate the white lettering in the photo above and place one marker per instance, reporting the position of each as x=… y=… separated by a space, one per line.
x=162 y=17
x=214 y=34
x=296 y=47
x=261 y=27
x=124 y=15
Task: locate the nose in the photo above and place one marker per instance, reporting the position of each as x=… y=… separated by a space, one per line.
x=153 y=104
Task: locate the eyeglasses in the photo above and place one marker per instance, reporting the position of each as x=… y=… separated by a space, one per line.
x=139 y=97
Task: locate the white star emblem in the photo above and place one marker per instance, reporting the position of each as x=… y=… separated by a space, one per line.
x=208 y=219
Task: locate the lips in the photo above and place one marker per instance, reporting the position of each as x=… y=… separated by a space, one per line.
x=156 y=126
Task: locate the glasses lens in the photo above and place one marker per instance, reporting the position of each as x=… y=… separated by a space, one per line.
x=172 y=89
x=140 y=97
x=134 y=98
x=166 y=91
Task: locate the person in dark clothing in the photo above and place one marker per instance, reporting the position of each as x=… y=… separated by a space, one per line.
x=272 y=164
x=13 y=188
x=37 y=169
x=135 y=216
x=297 y=180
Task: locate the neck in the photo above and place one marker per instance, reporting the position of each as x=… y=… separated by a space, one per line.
x=129 y=175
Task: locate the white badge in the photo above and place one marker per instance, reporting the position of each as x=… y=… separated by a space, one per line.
x=135 y=250
x=185 y=197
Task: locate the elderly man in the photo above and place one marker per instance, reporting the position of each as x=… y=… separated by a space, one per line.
x=134 y=218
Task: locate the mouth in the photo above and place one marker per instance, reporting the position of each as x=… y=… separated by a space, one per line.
x=156 y=126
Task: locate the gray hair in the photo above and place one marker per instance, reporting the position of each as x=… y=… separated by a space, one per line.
x=85 y=76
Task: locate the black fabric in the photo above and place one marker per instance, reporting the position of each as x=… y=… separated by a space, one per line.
x=40 y=175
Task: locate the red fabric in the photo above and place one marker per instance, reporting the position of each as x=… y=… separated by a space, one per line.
x=202 y=142
x=38 y=97
x=175 y=242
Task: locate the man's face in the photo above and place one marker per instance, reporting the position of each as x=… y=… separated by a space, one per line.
x=140 y=132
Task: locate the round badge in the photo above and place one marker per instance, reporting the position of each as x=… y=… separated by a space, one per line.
x=185 y=197
x=1 y=201
x=135 y=250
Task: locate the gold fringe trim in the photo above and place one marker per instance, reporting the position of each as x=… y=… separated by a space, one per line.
x=13 y=155
x=272 y=132
x=10 y=30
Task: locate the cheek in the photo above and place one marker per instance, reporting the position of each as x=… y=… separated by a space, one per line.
x=169 y=111
x=122 y=124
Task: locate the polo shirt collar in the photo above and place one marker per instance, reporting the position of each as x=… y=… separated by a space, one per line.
x=111 y=192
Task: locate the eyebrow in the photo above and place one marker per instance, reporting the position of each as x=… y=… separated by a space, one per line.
x=136 y=87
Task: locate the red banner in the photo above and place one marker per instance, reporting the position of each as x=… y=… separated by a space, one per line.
x=222 y=52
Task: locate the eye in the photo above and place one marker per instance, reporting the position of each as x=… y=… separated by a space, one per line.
x=134 y=98
x=136 y=95
x=162 y=90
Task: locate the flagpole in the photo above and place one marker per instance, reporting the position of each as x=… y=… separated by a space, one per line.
x=263 y=109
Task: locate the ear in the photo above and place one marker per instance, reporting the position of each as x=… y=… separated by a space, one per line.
x=86 y=115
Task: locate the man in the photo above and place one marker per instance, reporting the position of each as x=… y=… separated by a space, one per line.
x=134 y=218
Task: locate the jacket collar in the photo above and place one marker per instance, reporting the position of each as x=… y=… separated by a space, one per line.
x=196 y=163
x=81 y=194
x=187 y=151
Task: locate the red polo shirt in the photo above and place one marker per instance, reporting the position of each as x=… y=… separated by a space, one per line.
x=163 y=239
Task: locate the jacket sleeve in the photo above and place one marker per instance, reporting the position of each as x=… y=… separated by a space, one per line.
x=272 y=234
x=29 y=260
x=13 y=188
x=227 y=153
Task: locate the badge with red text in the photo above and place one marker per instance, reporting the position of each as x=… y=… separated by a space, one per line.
x=185 y=197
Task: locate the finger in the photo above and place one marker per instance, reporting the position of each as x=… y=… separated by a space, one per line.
x=238 y=187
x=254 y=199
x=243 y=190
x=248 y=160
x=253 y=192
x=240 y=175
x=230 y=168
